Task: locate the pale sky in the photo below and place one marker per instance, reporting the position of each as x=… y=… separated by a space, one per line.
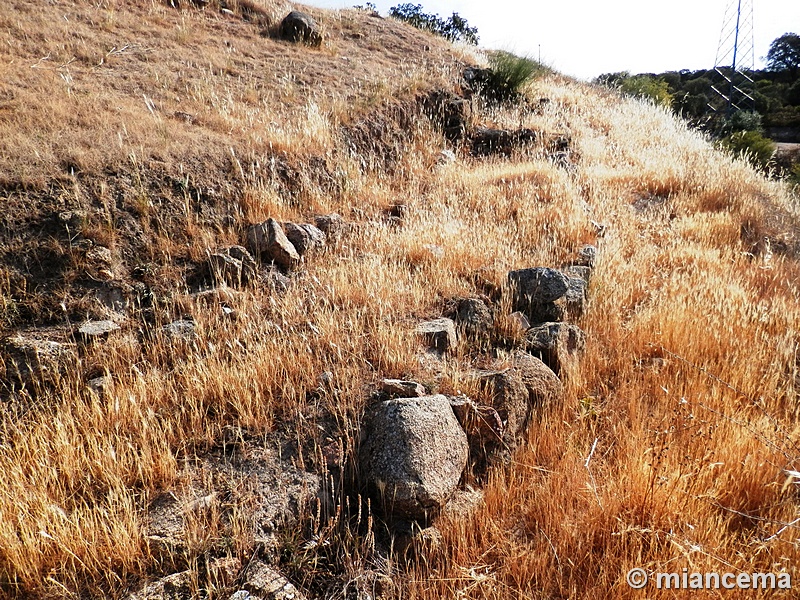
x=585 y=38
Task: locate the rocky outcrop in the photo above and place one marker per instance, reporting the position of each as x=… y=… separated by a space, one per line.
x=412 y=455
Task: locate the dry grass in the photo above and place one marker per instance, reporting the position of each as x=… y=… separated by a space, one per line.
x=686 y=399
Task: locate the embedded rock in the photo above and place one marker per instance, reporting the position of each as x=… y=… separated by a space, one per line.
x=332 y=225
x=556 y=343
x=439 y=334
x=544 y=386
x=96 y=330
x=538 y=285
x=474 y=319
x=403 y=389
x=266 y=583
x=304 y=237
x=268 y=241
x=412 y=455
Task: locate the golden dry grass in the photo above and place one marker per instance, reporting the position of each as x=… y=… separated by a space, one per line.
x=685 y=401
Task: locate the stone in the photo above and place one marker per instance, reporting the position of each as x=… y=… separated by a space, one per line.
x=587 y=256
x=520 y=321
x=448 y=112
x=177 y=586
x=413 y=453
x=97 y=330
x=225 y=269
x=233 y=266
x=508 y=395
x=485 y=141
x=419 y=542
x=574 y=300
x=446 y=157
x=100 y=385
x=579 y=271
x=305 y=237
x=268 y=241
x=275 y=281
x=482 y=424
x=538 y=285
x=300 y=27
x=73 y=220
x=474 y=320
x=31 y=360
x=557 y=344
x=464 y=503
x=403 y=389
x=332 y=225
x=182 y=329
x=544 y=386
x=264 y=582
x=439 y=334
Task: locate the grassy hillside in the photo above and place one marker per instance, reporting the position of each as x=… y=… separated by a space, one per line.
x=159 y=134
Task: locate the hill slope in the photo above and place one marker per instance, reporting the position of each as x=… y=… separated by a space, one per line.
x=138 y=139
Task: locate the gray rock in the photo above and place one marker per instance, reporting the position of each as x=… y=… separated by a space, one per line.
x=177 y=586
x=275 y=281
x=74 y=220
x=419 y=542
x=587 y=256
x=538 y=285
x=509 y=397
x=474 y=319
x=266 y=583
x=403 y=389
x=574 y=300
x=268 y=241
x=332 y=225
x=544 y=386
x=305 y=237
x=413 y=454
x=446 y=157
x=225 y=269
x=439 y=334
x=520 y=320
x=233 y=266
x=300 y=27
x=482 y=424
x=182 y=329
x=464 y=503
x=558 y=344
x=96 y=330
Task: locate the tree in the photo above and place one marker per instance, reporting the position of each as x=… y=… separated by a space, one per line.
x=455 y=29
x=784 y=54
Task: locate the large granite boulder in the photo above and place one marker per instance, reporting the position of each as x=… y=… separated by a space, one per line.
x=412 y=455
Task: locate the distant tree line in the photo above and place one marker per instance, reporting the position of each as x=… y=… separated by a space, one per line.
x=775 y=90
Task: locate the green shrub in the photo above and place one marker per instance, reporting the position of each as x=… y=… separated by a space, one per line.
x=750 y=145
x=508 y=75
x=647 y=87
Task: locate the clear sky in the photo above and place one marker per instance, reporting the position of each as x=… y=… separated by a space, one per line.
x=585 y=38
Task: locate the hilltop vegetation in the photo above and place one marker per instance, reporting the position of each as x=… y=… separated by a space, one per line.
x=139 y=139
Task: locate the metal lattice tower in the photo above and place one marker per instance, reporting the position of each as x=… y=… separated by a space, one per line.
x=736 y=58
